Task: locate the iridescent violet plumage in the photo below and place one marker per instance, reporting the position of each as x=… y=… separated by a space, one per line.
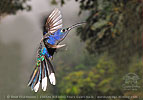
x=56 y=37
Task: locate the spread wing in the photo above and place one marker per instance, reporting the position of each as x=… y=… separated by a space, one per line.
x=54 y=22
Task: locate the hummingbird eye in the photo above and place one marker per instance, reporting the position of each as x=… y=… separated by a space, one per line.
x=63 y=30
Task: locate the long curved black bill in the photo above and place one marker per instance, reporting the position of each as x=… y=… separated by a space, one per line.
x=76 y=25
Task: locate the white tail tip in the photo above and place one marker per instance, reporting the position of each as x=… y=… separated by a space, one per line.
x=37 y=86
x=44 y=83
x=52 y=79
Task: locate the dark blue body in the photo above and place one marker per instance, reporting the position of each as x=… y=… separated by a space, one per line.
x=56 y=37
x=52 y=39
x=45 y=52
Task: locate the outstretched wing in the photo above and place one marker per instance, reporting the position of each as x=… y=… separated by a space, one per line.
x=54 y=22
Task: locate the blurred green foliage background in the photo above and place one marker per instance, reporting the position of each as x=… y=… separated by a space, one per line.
x=109 y=48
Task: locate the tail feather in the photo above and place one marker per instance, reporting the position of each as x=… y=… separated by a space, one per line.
x=36 y=88
x=45 y=67
x=40 y=74
x=51 y=72
x=37 y=85
x=43 y=71
x=49 y=65
x=36 y=79
x=33 y=82
x=44 y=78
x=32 y=76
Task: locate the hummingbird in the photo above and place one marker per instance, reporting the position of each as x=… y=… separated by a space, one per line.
x=53 y=34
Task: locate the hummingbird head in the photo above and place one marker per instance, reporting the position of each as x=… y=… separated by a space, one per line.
x=63 y=32
x=66 y=30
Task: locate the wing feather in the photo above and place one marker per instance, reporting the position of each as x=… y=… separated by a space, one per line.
x=56 y=27
x=56 y=17
x=56 y=24
x=54 y=21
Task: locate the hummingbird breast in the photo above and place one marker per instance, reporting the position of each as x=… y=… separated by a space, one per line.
x=55 y=38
